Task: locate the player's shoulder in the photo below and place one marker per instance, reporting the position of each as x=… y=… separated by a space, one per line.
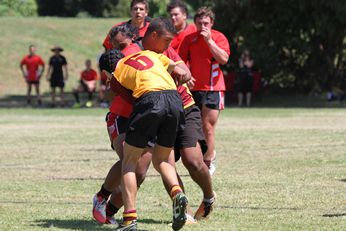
x=218 y=34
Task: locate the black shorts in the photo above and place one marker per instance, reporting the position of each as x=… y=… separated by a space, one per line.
x=57 y=81
x=192 y=133
x=245 y=84
x=156 y=114
x=36 y=82
x=210 y=99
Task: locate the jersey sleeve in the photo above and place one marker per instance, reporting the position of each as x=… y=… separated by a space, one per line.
x=95 y=75
x=183 y=50
x=173 y=55
x=23 y=61
x=41 y=62
x=165 y=60
x=223 y=43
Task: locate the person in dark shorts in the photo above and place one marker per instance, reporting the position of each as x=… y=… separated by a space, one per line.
x=34 y=68
x=205 y=50
x=57 y=73
x=245 y=76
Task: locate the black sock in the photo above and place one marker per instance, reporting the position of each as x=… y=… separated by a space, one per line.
x=76 y=96
x=111 y=209
x=90 y=96
x=104 y=193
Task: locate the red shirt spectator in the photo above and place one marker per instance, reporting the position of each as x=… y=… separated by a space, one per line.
x=89 y=75
x=204 y=68
x=32 y=63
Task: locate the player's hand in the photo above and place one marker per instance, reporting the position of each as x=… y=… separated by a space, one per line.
x=179 y=75
x=191 y=82
x=206 y=33
x=108 y=75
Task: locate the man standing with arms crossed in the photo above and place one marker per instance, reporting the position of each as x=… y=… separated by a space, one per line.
x=205 y=50
x=33 y=72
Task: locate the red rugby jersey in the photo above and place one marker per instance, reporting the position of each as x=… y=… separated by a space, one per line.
x=88 y=75
x=183 y=90
x=106 y=42
x=32 y=63
x=119 y=105
x=195 y=51
x=180 y=37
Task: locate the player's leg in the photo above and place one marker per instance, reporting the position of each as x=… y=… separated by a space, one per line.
x=37 y=88
x=248 y=99
x=129 y=183
x=62 y=96
x=116 y=126
x=115 y=202
x=53 y=96
x=209 y=121
x=28 y=95
x=169 y=176
x=240 y=99
x=192 y=159
x=75 y=92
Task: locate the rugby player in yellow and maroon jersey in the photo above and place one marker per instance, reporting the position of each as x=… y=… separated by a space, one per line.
x=158 y=112
x=205 y=50
x=179 y=13
x=139 y=18
x=34 y=66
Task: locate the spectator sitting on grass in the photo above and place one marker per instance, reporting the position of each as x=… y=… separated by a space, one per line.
x=87 y=84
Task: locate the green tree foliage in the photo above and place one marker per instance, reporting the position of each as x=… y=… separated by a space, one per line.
x=72 y=8
x=297 y=44
x=18 y=8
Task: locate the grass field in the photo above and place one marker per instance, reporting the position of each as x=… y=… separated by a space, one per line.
x=278 y=169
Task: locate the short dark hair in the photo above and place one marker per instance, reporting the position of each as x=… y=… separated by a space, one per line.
x=177 y=4
x=126 y=29
x=204 y=11
x=109 y=60
x=31 y=46
x=145 y=2
x=161 y=25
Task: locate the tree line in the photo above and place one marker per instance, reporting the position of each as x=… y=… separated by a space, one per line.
x=297 y=45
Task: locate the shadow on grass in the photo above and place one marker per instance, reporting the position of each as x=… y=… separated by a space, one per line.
x=79 y=224
x=255 y=207
x=19 y=101
x=334 y=215
x=343 y=180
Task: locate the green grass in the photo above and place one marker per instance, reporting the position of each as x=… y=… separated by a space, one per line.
x=278 y=169
x=81 y=38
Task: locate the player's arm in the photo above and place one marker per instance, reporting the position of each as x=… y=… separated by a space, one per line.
x=178 y=73
x=218 y=53
x=48 y=75
x=115 y=88
x=42 y=70
x=22 y=69
x=65 y=72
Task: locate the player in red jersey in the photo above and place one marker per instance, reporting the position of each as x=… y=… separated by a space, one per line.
x=87 y=84
x=179 y=13
x=205 y=50
x=139 y=18
x=34 y=68
x=139 y=10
